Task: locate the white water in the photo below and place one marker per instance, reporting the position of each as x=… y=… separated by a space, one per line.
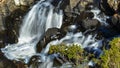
x=40 y=18
x=36 y=22
x=77 y=38
x=102 y=18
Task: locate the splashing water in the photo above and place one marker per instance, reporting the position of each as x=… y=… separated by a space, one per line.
x=97 y=16
x=77 y=38
x=40 y=18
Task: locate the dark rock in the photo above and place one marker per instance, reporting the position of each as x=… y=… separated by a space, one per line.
x=51 y=34
x=10 y=37
x=1 y=31
x=1 y=23
x=72 y=28
x=90 y=23
x=14 y=20
x=1 y=38
x=34 y=61
x=65 y=4
x=20 y=64
x=77 y=21
x=97 y=52
x=11 y=18
x=81 y=4
x=105 y=7
x=5 y=63
x=108 y=32
x=84 y=15
x=115 y=22
x=56 y=2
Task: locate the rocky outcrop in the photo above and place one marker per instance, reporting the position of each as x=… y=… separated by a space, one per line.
x=115 y=4
x=11 y=15
x=5 y=63
x=80 y=3
x=90 y=24
x=50 y=34
x=110 y=7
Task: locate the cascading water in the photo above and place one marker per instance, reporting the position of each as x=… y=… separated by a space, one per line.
x=40 y=18
x=88 y=42
x=100 y=18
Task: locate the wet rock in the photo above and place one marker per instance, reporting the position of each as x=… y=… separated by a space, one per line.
x=1 y=31
x=116 y=22
x=51 y=34
x=1 y=38
x=81 y=4
x=72 y=28
x=90 y=24
x=108 y=32
x=20 y=64
x=34 y=61
x=10 y=37
x=5 y=63
x=84 y=15
x=14 y=20
x=10 y=19
x=105 y=7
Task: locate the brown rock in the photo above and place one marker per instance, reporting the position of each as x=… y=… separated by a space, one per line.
x=116 y=21
x=50 y=34
x=106 y=8
x=81 y=3
x=5 y=63
x=114 y=4
x=90 y=23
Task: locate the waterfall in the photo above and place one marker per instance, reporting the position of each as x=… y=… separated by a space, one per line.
x=101 y=18
x=41 y=17
x=77 y=38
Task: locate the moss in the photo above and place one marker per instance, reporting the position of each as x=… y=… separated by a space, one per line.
x=72 y=52
x=111 y=57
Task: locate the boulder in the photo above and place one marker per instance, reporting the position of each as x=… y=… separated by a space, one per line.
x=11 y=15
x=1 y=38
x=90 y=23
x=106 y=8
x=116 y=22
x=81 y=4
x=5 y=63
x=10 y=37
x=114 y=4
x=50 y=34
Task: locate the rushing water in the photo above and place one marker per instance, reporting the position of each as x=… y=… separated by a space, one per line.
x=40 y=18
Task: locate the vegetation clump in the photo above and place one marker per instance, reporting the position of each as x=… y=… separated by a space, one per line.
x=72 y=52
x=111 y=57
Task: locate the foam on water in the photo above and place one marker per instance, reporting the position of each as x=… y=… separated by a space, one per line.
x=77 y=38
x=39 y=19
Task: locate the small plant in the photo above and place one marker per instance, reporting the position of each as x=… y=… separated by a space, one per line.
x=111 y=57
x=72 y=52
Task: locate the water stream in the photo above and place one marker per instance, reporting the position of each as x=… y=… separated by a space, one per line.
x=40 y=18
